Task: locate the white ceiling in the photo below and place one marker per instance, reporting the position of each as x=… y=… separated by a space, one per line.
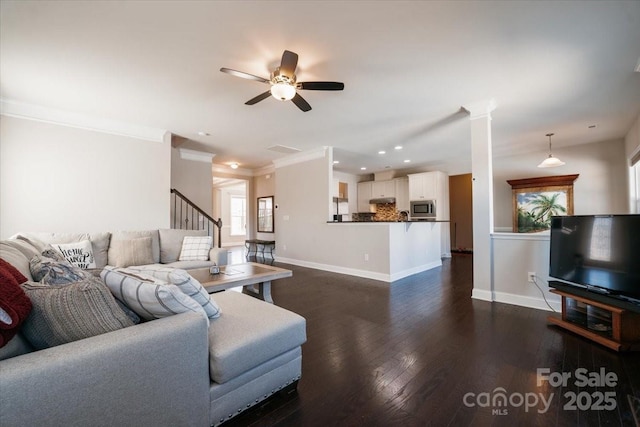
x=408 y=67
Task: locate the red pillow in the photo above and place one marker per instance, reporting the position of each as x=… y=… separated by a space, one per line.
x=4 y=265
x=13 y=302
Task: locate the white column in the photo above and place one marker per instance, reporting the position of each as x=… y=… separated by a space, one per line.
x=482 y=193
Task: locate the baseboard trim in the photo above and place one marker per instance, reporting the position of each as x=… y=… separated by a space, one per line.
x=415 y=270
x=527 y=301
x=482 y=294
x=383 y=277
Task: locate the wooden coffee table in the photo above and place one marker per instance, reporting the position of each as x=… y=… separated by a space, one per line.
x=254 y=278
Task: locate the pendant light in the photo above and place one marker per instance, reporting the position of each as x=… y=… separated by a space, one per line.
x=550 y=162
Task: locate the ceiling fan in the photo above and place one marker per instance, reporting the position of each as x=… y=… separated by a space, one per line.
x=283 y=83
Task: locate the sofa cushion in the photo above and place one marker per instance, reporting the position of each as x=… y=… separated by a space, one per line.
x=15 y=306
x=124 y=253
x=51 y=272
x=248 y=333
x=150 y=298
x=128 y=235
x=99 y=242
x=171 y=242
x=68 y=313
x=189 y=265
x=187 y=284
x=79 y=254
x=17 y=346
x=15 y=257
x=195 y=248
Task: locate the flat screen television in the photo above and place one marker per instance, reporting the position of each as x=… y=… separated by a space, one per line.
x=600 y=253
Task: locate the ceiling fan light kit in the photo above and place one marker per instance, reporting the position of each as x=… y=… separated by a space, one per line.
x=283 y=83
x=283 y=91
x=550 y=162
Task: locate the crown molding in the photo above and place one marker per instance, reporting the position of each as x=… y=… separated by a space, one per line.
x=264 y=170
x=304 y=156
x=196 y=156
x=39 y=113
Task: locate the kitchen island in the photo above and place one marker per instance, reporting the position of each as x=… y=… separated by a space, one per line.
x=386 y=251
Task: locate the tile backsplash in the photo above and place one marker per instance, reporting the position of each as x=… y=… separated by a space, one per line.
x=386 y=212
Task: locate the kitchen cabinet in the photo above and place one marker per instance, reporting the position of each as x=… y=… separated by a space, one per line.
x=383 y=189
x=424 y=186
x=402 y=194
x=434 y=186
x=364 y=195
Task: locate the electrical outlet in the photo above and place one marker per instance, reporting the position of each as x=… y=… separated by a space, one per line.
x=366 y=257
x=531 y=276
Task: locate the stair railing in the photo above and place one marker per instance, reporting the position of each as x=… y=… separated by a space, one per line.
x=188 y=216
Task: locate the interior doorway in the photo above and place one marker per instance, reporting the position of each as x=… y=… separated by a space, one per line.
x=231 y=204
x=461 y=213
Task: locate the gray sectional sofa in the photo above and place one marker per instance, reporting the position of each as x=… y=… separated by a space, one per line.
x=175 y=371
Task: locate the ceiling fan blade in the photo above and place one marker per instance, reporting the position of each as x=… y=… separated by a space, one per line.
x=243 y=75
x=321 y=85
x=301 y=103
x=289 y=63
x=259 y=98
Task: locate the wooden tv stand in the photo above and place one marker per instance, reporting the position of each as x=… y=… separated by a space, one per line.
x=611 y=326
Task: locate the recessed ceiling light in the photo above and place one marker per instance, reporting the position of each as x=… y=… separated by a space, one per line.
x=398 y=147
x=407 y=161
x=335 y=162
x=381 y=152
x=202 y=133
x=233 y=166
x=363 y=168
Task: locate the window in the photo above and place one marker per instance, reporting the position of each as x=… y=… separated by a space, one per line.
x=600 y=248
x=238 y=216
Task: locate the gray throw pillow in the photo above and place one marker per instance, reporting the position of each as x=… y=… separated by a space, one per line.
x=51 y=272
x=123 y=253
x=62 y=314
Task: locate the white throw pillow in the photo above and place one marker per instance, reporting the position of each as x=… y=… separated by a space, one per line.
x=195 y=248
x=148 y=297
x=79 y=254
x=187 y=284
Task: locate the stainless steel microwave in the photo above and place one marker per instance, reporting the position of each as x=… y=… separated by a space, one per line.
x=423 y=209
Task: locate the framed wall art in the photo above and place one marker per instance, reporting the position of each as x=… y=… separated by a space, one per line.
x=536 y=200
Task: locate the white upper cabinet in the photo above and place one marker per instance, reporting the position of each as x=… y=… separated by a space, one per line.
x=424 y=186
x=364 y=195
x=402 y=194
x=383 y=189
x=431 y=186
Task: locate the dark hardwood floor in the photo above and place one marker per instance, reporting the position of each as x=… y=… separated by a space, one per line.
x=408 y=353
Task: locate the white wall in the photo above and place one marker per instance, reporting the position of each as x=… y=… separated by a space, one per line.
x=601 y=187
x=265 y=186
x=62 y=179
x=515 y=255
x=193 y=179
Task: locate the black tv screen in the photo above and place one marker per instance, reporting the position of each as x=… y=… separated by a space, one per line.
x=599 y=252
